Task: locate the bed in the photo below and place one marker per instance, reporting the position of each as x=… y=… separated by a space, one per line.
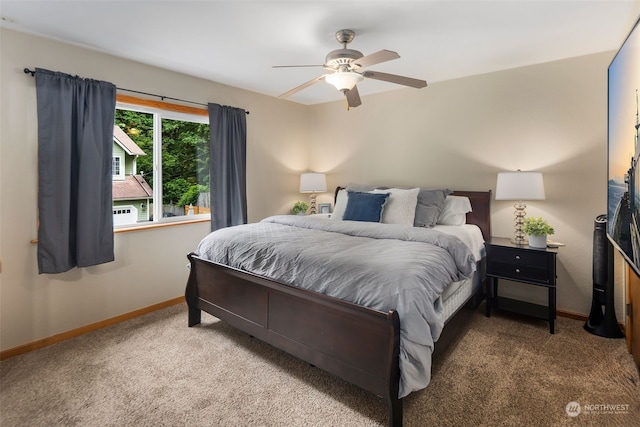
x=355 y=342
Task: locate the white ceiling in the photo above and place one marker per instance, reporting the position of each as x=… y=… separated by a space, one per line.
x=237 y=42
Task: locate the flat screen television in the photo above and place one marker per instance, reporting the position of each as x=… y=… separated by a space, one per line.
x=623 y=149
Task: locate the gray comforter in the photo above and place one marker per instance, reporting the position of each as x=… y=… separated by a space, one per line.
x=381 y=266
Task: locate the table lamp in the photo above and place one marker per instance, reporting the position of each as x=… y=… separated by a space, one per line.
x=519 y=186
x=313 y=182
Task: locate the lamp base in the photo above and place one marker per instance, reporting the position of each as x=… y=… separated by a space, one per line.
x=519 y=212
x=312 y=204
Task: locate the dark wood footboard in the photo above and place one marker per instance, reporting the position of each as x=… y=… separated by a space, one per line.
x=358 y=344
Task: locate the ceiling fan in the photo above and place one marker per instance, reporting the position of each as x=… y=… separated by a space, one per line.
x=347 y=68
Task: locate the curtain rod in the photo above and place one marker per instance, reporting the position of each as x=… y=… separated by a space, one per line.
x=162 y=97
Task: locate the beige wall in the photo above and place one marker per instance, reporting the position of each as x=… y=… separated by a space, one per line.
x=150 y=266
x=459 y=134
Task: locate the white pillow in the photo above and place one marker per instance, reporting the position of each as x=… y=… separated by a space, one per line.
x=341 y=204
x=455 y=211
x=400 y=207
x=453 y=219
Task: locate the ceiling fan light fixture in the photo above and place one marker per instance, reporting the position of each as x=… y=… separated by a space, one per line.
x=343 y=80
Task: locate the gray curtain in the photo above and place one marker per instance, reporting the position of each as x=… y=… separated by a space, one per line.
x=75 y=145
x=228 y=160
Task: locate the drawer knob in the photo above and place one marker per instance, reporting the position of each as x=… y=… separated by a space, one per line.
x=517 y=270
x=517 y=257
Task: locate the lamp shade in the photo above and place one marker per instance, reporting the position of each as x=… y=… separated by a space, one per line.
x=520 y=186
x=343 y=80
x=312 y=182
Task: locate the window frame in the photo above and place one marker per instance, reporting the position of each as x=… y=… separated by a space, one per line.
x=162 y=110
x=120 y=161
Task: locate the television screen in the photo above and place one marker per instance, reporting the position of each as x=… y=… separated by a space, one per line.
x=623 y=186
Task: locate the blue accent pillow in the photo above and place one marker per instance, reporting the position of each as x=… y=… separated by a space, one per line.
x=364 y=206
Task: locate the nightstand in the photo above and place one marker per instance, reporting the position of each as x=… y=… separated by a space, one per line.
x=524 y=264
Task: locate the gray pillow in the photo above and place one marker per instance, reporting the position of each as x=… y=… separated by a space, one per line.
x=360 y=188
x=430 y=204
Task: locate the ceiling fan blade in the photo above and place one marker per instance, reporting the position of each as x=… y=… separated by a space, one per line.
x=302 y=86
x=376 y=58
x=296 y=66
x=353 y=97
x=393 y=78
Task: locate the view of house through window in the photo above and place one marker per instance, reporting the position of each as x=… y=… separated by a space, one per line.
x=161 y=165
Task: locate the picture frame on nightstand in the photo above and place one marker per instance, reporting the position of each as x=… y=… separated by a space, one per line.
x=324 y=208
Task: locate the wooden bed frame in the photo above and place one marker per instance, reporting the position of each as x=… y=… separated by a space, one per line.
x=355 y=343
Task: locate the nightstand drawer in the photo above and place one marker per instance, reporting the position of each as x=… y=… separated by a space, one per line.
x=518 y=257
x=522 y=272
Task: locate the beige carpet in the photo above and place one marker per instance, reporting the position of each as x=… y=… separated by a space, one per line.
x=155 y=371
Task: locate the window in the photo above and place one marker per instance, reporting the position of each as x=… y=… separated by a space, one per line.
x=165 y=163
x=122 y=211
x=115 y=167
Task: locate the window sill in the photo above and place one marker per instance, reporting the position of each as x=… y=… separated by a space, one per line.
x=151 y=226
x=129 y=229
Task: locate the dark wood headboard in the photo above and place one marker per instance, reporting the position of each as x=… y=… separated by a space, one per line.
x=480 y=205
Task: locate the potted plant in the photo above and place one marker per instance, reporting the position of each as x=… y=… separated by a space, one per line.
x=537 y=229
x=300 y=208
